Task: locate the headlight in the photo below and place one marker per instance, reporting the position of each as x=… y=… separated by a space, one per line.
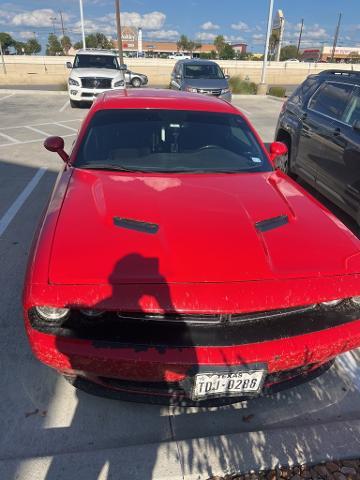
x=332 y=303
x=52 y=313
x=119 y=83
x=74 y=82
x=356 y=300
x=225 y=90
x=92 y=313
x=191 y=89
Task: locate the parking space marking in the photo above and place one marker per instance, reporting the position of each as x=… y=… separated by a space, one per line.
x=7 y=96
x=11 y=139
x=20 y=200
x=31 y=141
x=64 y=106
x=38 y=131
x=66 y=126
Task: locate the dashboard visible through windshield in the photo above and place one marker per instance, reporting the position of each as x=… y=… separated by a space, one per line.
x=170 y=141
x=96 y=61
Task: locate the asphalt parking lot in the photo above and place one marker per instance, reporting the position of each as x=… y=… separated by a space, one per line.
x=50 y=431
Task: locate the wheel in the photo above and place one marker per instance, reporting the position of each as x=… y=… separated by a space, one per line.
x=136 y=82
x=284 y=162
x=75 y=104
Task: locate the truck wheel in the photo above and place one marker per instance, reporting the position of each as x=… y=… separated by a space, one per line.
x=136 y=82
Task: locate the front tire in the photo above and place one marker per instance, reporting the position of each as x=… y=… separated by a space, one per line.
x=136 y=82
x=75 y=104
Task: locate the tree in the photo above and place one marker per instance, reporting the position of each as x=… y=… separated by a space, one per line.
x=191 y=46
x=98 y=40
x=183 y=43
x=78 y=45
x=32 y=46
x=53 y=46
x=66 y=44
x=20 y=48
x=6 y=40
x=274 y=41
x=227 y=52
x=219 y=43
x=290 y=51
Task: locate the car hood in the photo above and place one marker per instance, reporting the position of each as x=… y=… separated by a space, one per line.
x=198 y=228
x=95 y=72
x=206 y=83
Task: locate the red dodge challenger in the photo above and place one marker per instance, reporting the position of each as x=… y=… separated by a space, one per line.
x=175 y=263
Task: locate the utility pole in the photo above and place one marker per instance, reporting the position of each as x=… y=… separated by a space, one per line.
x=82 y=24
x=2 y=59
x=62 y=24
x=119 y=37
x=53 y=22
x=336 y=38
x=300 y=35
x=263 y=86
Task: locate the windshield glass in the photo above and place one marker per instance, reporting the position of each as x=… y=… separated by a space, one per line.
x=208 y=70
x=170 y=141
x=96 y=61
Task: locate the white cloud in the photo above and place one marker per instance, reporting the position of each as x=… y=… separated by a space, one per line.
x=35 y=18
x=241 y=26
x=148 y=21
x=205 y=36
x=162 y=34
x=234 y=38
x=26 y=35
x=209 y=26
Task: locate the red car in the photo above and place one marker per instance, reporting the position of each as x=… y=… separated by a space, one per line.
x=174 y=263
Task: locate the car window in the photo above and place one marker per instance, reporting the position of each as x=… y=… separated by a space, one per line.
x=209 y=70
x=331 y=99
x=171 y=141
x=96 y=61
x=352 y=112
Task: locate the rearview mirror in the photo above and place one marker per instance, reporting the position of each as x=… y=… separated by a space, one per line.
x=277 y=149
x=123 y=66
x=356 y=125
x=56 y=144
x=68 y=65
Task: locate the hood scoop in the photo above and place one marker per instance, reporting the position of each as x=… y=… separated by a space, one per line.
x=271 y=223
x=136 y=225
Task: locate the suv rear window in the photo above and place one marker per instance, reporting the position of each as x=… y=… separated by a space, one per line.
x=331 y=99
x=171 y=141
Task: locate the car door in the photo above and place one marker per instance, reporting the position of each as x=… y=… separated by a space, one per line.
x=341 y=171
x=332 y=103
x=326 y=104
x=175 y=82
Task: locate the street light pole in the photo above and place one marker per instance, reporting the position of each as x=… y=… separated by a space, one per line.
x=119 y=38
x=300 y=35
x=82 y=24
x=336 y=38
x=262 y=88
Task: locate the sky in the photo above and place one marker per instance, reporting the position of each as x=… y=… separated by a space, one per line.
x=237 y=20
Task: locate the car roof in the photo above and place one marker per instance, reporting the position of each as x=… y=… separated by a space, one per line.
x=95 y=51
x=151 y=98
x=348 y=76
x=196 y=60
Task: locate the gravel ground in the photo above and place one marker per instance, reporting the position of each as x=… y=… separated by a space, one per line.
x=332 y=470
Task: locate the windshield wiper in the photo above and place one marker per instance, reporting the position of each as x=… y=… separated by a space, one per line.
x=107 y=166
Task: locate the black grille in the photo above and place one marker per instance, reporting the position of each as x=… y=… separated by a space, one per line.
x=96 y=82
x=208 y=91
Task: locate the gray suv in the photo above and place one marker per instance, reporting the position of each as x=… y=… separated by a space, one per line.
x=200 y=76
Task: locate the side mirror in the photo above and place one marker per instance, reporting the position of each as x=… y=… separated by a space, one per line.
x=123 y=67
x=277 y=149
x=356 y=125
x=68 y=65
x=227 y=77
x=56 y=144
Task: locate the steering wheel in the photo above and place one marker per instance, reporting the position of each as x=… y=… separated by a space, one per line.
x=209 y=146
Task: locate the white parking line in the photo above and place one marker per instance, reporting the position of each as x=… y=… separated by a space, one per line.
x=64 y=106
x=20 y=200
x=30 y=141
x=12 y=140
x=7 y=96
x=38 y=131
x=65 y=126
x=50 y=122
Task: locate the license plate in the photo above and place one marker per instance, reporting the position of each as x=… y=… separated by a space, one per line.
x=227 y=384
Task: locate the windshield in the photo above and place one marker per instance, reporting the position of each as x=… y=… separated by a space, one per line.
x=170 y=141
x=96 y=61
x=208 y=70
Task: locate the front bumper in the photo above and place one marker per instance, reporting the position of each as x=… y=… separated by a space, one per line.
x=129 y=368
x=80 y=94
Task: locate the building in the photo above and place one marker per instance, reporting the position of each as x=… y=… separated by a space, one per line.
x=240 y=48
x=324 y=53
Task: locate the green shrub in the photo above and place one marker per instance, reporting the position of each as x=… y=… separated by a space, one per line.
x=277 y=91
x=240 y=86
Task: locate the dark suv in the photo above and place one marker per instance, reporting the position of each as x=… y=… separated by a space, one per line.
x=320 y=124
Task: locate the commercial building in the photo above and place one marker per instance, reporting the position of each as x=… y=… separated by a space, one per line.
x=324 y=54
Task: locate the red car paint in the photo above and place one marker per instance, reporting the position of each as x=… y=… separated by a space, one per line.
x=207 y=258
